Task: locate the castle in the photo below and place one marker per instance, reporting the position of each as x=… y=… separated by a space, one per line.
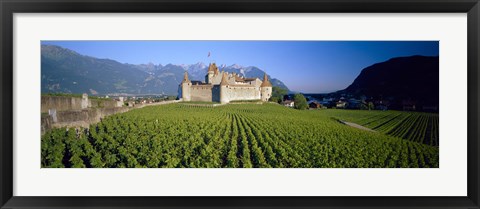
x=225 y=87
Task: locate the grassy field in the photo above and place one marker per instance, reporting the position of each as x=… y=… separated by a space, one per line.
x=245 y=136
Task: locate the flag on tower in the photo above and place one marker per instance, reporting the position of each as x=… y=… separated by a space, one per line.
x=208 y=54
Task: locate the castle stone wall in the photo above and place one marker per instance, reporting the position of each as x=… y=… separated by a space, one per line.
x=201 y=93
x=216 y=79
x=242 y=93
x=257 y=82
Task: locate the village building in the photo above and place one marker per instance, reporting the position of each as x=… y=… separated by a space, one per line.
x=288 y=103
x=225 y=87
x=314 y=105
x=341 y=104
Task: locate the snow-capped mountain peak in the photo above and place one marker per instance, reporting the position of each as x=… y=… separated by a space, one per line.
x=236 y=66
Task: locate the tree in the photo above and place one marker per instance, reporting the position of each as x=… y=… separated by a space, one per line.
x=277 y=94
x=371 y=106
x=300 y=102
x=275 y=99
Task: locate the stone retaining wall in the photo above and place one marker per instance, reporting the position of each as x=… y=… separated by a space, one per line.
x=61 y=103
x=85 y=117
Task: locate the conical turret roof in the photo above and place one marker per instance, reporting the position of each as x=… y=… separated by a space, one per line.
x=185 y=78
x=265 y=82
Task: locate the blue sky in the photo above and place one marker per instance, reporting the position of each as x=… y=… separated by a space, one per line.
x=305 y=66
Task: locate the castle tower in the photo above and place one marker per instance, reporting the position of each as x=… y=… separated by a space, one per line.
x=212 y=70
x=186 y=84
x=223 y=89
x=265 y=89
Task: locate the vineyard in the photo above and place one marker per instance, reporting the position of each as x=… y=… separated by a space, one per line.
x=244 y=136
x=413 y=126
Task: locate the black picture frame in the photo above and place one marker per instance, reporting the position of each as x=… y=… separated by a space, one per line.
x=10 y=7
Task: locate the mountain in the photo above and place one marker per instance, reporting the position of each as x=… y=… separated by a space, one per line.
x=67 y=71
x=414 y=78
x=148 y=68
x=197 y=71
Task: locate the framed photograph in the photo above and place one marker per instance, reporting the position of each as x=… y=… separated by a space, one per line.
x=265 y=104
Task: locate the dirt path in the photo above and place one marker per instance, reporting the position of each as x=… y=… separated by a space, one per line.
x=356 y=126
